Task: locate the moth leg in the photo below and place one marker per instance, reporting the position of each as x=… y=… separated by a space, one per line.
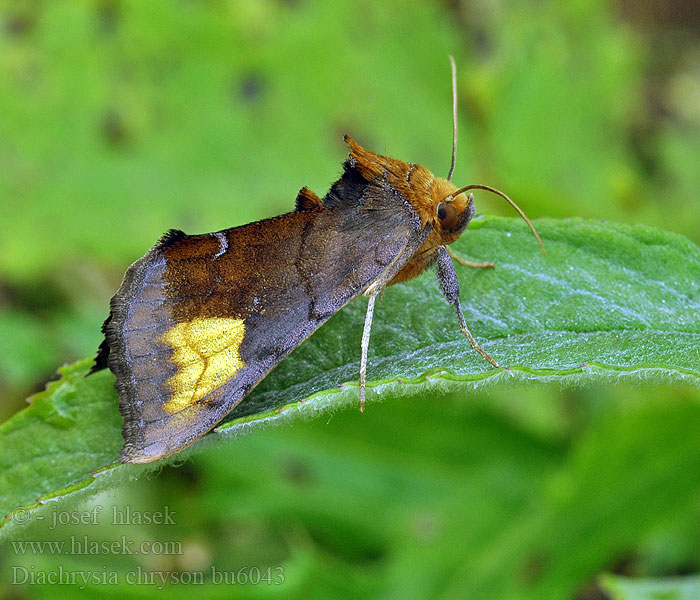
x=365 y=347
x=468 y=263
x=450 y=288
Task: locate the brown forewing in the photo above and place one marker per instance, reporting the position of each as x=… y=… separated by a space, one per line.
x=283 y=277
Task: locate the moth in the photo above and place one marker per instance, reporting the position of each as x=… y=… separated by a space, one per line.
x=200 y=320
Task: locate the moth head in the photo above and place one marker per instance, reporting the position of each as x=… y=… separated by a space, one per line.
x=452 y=210
x=456 y=209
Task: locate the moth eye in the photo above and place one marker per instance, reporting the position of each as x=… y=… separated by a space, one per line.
x=447 y=215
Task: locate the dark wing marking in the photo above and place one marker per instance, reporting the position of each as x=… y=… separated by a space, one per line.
x=282 y=277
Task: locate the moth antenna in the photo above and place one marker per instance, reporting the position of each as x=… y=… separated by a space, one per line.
x=478 y=186
x=454 y=117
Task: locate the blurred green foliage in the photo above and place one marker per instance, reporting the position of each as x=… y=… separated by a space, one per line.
x=121 y=118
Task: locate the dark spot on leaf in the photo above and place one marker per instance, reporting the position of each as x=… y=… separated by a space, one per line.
x=250 y=89
x=365 y=549
x=481 y=42
x=297 y=472
x=642 y=139
x=533 y=569
x=114 y=129
x=40 y=296
x=374 y=554
x=20 y=24
x=108 y=16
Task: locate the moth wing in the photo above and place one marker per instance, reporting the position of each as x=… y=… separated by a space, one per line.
x=200 y=320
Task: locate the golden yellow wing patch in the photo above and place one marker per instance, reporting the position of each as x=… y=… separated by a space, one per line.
x=206 y=354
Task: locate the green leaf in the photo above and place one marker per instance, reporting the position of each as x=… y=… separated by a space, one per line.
x=677 y=588
x=608 y=302
x=541 y=523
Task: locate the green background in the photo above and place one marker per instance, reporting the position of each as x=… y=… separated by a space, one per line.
x=121 y=119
